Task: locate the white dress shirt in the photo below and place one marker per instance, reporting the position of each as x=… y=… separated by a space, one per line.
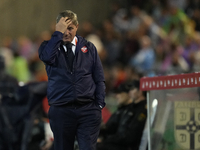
x=74 y=42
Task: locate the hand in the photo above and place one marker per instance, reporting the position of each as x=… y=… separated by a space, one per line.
x=63 y=24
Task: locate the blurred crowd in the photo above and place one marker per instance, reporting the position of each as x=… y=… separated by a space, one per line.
x=138 y=38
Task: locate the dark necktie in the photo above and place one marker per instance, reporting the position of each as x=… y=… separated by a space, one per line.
x=70 y=55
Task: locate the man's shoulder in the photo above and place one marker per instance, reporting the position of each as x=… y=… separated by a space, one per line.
x=44 y=43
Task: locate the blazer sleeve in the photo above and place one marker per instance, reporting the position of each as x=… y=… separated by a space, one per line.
x=98 y=77
x=48 y=49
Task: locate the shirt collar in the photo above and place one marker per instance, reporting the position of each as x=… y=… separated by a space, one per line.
x=74 y=41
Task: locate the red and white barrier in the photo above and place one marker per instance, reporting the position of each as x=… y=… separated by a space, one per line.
x=170 y=82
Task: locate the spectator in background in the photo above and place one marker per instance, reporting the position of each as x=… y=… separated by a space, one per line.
x=173 y=61
x=25 y=47
x=6 y=81
x=189 y=51
x=16 y=64
x=8 y=56
x=20 y=68
x=18 y=108
x=120 y=19
x=124 y=129
x=144 y=59
x=112 y=43
x=8 y=88
x=135 y=19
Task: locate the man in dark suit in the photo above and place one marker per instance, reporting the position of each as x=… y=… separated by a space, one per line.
x=76 y=86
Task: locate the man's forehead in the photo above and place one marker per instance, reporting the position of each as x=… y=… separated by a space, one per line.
x=71 y=25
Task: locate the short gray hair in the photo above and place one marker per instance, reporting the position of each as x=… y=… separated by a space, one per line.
x=68 y=13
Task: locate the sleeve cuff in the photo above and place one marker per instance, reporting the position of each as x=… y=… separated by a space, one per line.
x=58 y=34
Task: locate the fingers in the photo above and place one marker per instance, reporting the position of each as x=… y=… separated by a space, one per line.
x=65 y=20
x=63 y=24
x=68 y=21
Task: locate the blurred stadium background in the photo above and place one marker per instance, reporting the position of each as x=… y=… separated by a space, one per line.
x=134 y=38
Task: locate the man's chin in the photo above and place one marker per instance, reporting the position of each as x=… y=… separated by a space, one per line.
x=66 y=40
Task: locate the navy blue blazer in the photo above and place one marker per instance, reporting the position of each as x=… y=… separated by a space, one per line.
x=84 y=84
